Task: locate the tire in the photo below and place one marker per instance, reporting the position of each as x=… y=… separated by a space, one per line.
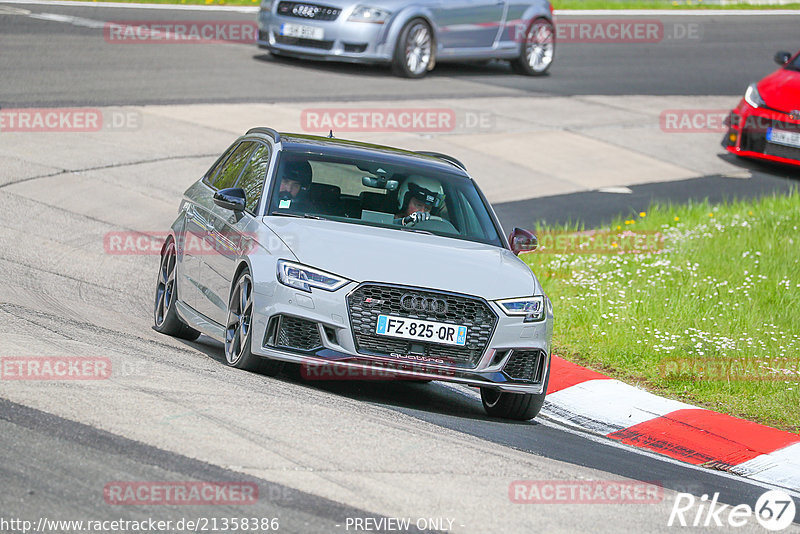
x=165 y=318
x=538 y=49
x=515 y=406
x=413 y=52
x=238 y=332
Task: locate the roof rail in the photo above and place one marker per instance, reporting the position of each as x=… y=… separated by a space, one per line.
x=449 y=159
x=267 y=131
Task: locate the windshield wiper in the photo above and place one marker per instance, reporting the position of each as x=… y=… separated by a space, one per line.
x=298 y=216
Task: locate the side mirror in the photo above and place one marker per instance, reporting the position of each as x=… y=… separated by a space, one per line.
x=522 y=241
x=232 y=198
x=782 y=58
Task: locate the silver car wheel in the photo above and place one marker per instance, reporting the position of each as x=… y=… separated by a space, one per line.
x=165 y=287
x=539 y=45
x=240 y=313
x=418 y=48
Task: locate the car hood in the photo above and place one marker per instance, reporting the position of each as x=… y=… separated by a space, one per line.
x=363 y=253
x=781 y=90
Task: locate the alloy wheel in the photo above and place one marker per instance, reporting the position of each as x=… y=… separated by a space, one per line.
x=165 y=287
x=240 y=313
x=418 y=48
x=539 y=46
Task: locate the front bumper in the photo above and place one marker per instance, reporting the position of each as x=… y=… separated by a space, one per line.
x=316 y=330
x=747 y=134
x=356 y=42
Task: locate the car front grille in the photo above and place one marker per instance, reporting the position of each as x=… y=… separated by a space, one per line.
x=525 y=365
x=782 y=151
x=754 y=137
x=308 y=11
x=307 y=43
x=297 y=334
x=368 y=301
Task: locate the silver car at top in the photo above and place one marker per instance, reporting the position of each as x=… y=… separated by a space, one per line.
x=411 y=36
x=338 y=255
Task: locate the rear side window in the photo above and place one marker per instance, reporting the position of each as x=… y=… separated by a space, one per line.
x=214 y=170
x=252 y=179
x=233 y=166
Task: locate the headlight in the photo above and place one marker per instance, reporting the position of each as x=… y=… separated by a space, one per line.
x=752 y=97
x=532 y=308
x=369 y=14
x=304 y=278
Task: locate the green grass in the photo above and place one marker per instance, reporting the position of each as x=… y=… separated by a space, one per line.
x=721 y=296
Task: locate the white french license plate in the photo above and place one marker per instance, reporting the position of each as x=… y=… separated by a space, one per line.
x=782 y=137
x=304 y=32
x=417 y=329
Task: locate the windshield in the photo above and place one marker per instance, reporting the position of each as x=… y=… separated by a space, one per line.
x=394 y=195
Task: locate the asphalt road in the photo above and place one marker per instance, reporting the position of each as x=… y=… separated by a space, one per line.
x=47 y=62
x=320 y=452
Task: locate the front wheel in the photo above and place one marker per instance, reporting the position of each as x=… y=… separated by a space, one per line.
x=165 y=317
x=413 y=54
x=516 y=406
x=538 y=49
x=238 y=331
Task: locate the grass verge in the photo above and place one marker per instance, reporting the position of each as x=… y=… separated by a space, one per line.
x=704 y=309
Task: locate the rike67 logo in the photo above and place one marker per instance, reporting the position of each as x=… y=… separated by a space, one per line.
x=774 y=510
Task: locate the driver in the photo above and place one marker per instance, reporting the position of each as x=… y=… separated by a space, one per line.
x=295 y=181
x=418 y=198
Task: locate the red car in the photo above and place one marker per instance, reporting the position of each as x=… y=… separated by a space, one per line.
x=766 y=123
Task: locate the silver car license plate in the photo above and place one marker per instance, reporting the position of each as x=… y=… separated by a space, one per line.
x=420 y=330
x=303 y=32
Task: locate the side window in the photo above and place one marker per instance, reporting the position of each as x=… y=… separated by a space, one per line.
x=233 y=166
x=212 y=172
x=252 y=179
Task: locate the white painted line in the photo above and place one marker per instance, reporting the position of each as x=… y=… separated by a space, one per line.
x=621 y=190
x=180 y=7
x=610 y=405
x=781 y=467
x=13 y=11
x=75 y=21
